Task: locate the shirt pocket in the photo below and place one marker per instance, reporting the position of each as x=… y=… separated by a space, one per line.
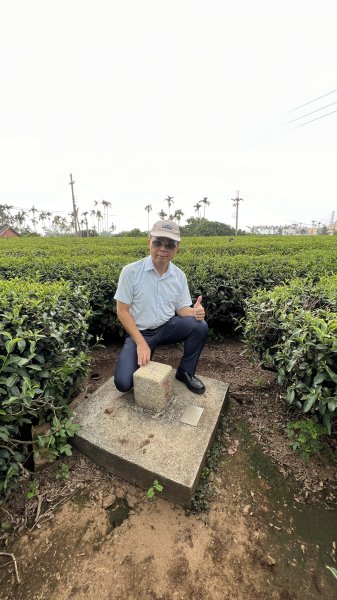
x=173 y=299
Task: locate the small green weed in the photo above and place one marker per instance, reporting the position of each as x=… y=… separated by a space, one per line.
x=155 y=488
x=54 y=442
x=305 y=437
x=33 y=489
x=260 y=382
x=62 y=473
x=205 y=473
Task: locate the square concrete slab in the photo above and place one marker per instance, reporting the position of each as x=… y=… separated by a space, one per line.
x=138 y=446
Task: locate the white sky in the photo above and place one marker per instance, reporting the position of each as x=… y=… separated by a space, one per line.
x=141 y=99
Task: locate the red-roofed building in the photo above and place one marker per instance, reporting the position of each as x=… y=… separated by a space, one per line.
x=8 y=231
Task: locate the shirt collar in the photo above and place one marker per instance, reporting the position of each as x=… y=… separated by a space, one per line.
x=149 y=266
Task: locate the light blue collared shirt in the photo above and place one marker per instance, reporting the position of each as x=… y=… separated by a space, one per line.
x=153 y=298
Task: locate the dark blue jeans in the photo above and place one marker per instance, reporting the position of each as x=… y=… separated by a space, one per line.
x=178 y=329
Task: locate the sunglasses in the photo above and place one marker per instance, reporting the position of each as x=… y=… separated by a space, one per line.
x=166 y=245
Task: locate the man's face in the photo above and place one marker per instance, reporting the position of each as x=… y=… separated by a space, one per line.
x=162 y=250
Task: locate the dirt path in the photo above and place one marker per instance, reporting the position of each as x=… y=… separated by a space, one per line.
x=260 y=537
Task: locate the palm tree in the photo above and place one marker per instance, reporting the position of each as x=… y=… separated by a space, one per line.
x=107 y=206
x=82 y=223
x=72 y=221
x=112 y=227
x=205 y=202
x=42 y=217
x=178 y=214
x=169 y=200
x=197 y=207
x=162 y=214
x=104 y=204
x=49 y=216
x=85 y=215
x=148 y=208
x=75 y=224
x=57 y=223
x=19 y=218
x=104 y=211
x=93 y=214
x=5 y=215
x=33 y=210
x=24 y=214
x=63 y=224
x=99 y=217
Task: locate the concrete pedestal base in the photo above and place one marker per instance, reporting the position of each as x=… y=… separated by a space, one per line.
x=140 y=447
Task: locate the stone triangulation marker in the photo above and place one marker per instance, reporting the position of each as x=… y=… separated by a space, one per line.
x=140 y=446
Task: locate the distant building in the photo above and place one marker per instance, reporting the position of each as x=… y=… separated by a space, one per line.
x=8 y=231
x=295 y=230
x=332 y=228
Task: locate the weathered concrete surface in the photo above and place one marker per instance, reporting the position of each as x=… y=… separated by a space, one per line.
x=138 y=446
x=153 y=386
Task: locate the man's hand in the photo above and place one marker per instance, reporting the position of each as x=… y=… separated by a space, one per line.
x=143 y=350
x=198 y=309
x=143 y=353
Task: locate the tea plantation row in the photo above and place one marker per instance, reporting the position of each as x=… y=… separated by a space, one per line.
x=293 y=330
x=43 y=352
x=225 y=271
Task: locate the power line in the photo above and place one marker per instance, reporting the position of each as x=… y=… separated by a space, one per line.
x=316 y=119
x=310 y=113
x=314 y=100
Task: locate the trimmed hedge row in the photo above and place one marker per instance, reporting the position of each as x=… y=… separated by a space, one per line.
x=252 y=245
x=43 y=351
x=293 y=329
x=224 y=281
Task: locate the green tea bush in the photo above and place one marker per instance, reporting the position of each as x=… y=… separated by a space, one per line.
x=43 y=351
x=293 y=329
x=226 y=271
x=308 y=439
x=98 y=274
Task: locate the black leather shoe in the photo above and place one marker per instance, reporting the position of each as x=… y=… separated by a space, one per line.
x=194 y=384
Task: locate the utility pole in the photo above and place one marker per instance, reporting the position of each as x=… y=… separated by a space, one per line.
x=236 y=204
x=74 y=205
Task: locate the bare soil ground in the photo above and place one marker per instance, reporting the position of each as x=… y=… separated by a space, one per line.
x=268 y=531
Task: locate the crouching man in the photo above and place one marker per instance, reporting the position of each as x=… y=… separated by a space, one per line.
x=154 y=307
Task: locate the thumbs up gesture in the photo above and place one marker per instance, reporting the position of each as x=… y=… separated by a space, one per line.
x=198 y=309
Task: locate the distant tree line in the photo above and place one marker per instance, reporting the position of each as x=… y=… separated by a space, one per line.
x=201 y=226
x=89 y=224
x=194 y=227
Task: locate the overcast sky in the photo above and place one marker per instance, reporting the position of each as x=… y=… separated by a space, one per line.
x=141 y=99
